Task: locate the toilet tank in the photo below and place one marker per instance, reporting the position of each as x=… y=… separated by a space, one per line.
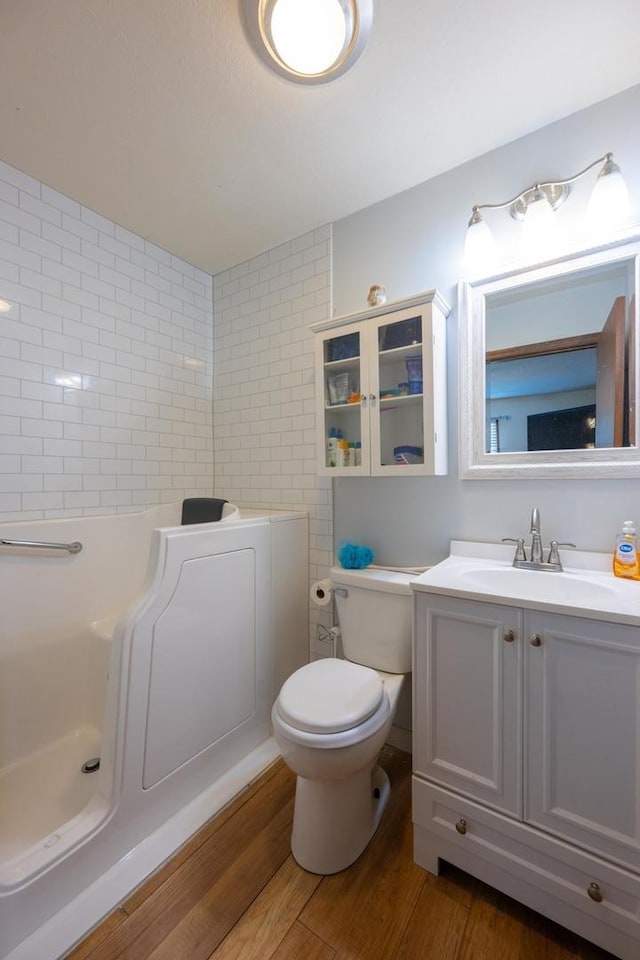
x=374 y=615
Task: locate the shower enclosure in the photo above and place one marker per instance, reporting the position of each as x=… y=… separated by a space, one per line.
x=136 y=673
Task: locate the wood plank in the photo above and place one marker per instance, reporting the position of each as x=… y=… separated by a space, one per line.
x=457 y=884
x=500 y=928
x=271 y=915
x=544 y=940
x=436 y=926
x=493 y=932
x=158 y=915
x=301 y=944
x=93 y=939
x=144 y=891
x=205 y=926
x=238 y=895
x=363 y=912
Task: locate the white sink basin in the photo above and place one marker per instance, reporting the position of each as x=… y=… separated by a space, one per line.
x=539 y=585
x=586 y=586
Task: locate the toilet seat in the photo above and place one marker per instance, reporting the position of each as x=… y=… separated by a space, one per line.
x=330 y=696
x=283 y=731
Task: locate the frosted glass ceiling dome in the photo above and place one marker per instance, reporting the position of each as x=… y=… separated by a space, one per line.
x=312 y=41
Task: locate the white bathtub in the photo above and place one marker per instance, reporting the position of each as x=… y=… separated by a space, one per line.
x=100 y=652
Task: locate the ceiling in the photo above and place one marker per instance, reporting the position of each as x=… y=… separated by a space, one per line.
x=158 y=115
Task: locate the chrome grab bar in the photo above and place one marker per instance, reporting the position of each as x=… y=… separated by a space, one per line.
x=74 y=547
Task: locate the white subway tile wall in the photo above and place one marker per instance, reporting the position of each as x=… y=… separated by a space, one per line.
x=107 y=349
x=105 y=363
x=263 y=380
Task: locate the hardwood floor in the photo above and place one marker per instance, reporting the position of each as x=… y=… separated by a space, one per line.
x=234 y=892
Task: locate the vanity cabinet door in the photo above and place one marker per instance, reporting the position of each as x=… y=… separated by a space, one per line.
x=467 y=697
x=583 y=732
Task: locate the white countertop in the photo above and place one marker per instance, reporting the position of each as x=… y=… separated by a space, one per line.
x=586 y=587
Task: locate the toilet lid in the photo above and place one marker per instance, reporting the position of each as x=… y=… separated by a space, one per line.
x=329 y=696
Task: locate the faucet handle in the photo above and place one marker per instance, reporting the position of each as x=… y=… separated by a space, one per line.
x=520 y=554
x=554 y=556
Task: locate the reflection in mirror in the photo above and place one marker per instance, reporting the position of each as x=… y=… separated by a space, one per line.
x=567 y=389
x=548 y=360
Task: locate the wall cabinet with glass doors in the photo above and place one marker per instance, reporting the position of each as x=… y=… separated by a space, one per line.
x=381 y=390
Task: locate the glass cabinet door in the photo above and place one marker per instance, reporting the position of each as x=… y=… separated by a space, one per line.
x=345 y=433
x=397 y=394
x=381 y=403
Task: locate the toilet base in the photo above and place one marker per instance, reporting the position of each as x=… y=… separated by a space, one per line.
x=334 y=820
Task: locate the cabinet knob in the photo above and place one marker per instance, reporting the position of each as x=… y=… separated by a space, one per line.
x=508 y=636
x=535 y=640
x=461 y=827
x=372 y=398
x=363 y=399
x=595 y=892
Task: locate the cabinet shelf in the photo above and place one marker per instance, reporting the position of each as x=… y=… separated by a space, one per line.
x=399 y=353
x=386 y=403
x=386 y=357
x=341 y=407
x=334 y=366
x=404 y=400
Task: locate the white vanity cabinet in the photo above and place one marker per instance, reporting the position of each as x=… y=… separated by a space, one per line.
x=527 y=759
x=381 y=384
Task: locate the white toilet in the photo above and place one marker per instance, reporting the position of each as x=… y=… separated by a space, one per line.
x=332 y=718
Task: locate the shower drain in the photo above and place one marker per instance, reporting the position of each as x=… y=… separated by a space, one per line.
x=90 y=766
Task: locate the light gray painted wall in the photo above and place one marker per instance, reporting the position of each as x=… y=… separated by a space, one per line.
x=413 y=242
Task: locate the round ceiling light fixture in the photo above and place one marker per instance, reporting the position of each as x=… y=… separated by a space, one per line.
x=309 y=41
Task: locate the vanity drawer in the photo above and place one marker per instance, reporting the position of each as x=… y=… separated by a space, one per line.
x=471 y=836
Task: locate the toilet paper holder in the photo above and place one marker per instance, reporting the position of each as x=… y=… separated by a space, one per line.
x=323 y=591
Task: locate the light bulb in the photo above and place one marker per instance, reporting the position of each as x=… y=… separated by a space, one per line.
x=609 y=201
x=309 y=37
x=539 y=227
x=479 y=245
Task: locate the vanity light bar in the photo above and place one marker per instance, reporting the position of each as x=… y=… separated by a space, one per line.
x=535 y=206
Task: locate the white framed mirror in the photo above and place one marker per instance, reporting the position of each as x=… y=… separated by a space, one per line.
x=548 y=368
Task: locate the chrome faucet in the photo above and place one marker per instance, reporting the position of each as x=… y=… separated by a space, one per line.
x=536 y=559
x=536 y=539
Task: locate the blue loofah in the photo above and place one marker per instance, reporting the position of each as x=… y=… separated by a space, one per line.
x=351 y=556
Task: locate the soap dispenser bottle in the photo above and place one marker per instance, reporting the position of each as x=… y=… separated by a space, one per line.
x=625 y=558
